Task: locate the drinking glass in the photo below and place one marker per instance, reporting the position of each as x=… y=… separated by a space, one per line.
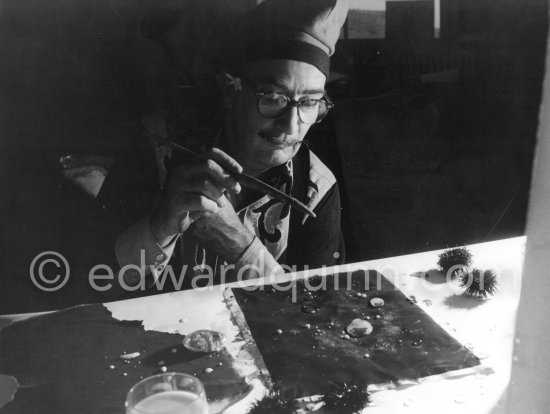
x=168 y=393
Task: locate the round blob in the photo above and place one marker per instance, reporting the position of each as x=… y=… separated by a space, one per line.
x=359 y=327
x=377 y=302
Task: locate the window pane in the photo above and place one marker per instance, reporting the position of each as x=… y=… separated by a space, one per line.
x=367 y=19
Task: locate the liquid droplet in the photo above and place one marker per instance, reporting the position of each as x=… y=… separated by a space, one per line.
x=408 y=403
x=377 y=302
x=460 y=399
x=309 y=309
x=359 y=327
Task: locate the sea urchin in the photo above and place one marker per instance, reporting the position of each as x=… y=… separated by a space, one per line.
x=479 y=282
x=455 y=260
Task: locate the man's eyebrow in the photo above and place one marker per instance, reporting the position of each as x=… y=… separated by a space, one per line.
x=281 y=86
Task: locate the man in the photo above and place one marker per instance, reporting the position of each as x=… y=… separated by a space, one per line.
x=272 y=87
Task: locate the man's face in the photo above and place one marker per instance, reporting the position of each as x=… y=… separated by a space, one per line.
x=259 y=143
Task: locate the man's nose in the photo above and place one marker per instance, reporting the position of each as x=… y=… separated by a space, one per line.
x=289 y=121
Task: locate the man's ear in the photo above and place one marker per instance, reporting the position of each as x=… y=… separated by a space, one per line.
x=229 y=86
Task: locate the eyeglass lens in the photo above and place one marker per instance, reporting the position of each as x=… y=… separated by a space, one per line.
x=310 y=111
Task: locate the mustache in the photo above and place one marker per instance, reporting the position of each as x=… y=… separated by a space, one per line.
x=284 y=142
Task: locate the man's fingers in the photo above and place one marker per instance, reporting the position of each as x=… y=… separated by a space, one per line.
x=224 y=160
x=206 y=188
x=205 y=168
x=194 y=202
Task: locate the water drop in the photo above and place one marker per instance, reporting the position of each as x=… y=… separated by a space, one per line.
x=309 y=309
x=460 y=399
x=377 y=302
x=359 y=327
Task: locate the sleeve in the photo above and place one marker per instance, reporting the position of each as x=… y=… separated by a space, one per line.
x=256 y=261
x=318 y=242
x=139 y=254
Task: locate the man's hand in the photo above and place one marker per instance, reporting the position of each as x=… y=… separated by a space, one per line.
x=222 y=232
x=195 y=189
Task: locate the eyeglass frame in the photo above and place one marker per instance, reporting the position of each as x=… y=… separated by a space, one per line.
x=237 y=82
x=297 y=103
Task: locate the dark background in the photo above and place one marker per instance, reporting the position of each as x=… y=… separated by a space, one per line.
x=431 y=139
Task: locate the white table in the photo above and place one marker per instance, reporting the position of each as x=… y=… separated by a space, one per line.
x=487 y=327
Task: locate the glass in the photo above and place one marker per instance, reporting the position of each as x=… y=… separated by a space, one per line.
x=310 y=110
x=169 y=393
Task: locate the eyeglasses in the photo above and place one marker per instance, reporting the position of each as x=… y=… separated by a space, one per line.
x=310 y=110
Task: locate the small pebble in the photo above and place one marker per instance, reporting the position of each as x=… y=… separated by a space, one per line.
x=125 y=374
x=279 y=331
x=220 y=364
x=208 y=370
x=174 y=350
x=306 y=326
x=417 y=343
x=377 y=302
x=163 y=369
x=345 y=336
x=313 y=347
x=377 y=317
x=364 y=295
x=359 y=295
x=367 y=355
x=111 y=367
